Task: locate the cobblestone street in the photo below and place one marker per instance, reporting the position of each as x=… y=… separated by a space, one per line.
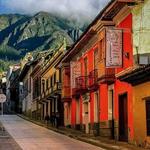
x=33 y=137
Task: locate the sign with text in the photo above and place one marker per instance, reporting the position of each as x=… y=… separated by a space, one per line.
x=75 y=72
x=114 y=50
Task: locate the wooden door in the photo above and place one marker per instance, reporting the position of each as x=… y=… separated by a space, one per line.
x=123 y=118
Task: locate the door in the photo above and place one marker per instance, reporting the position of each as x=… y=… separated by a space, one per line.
x=148 y=117
x=86 y=117
x=123 y=118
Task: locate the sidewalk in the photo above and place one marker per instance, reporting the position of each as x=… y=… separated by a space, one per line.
x=6 y=141
x=98 y=141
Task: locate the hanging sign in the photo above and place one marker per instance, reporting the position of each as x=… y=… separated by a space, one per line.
x=75 y=72
x=114 y=50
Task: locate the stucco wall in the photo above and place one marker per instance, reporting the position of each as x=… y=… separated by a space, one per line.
x=141 y=28
x=139 y=110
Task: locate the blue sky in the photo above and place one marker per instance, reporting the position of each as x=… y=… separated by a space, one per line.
x=88 y=8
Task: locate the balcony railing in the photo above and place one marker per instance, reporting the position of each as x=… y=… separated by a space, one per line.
x=81 y=84
x=107 y=75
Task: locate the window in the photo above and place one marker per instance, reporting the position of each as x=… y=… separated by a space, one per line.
x=96 y=58
x=47 y=84
x=60 y=75
x=85 y=66
x=101 y=49
x=43 y=85
x=51 y=81
x=54 y=77
x=148 y=116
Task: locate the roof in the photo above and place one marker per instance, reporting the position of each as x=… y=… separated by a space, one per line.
x=135 y=75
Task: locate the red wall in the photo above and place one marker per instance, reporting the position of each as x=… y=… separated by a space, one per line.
x=73 y=112
x=103 y=102
x=126 y=25
x=122 y=87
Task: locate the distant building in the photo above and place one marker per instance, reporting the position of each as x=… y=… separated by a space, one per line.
x=12 y=88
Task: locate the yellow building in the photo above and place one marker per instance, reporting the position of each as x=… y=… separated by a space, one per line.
x=139 y=78
x=51 y=85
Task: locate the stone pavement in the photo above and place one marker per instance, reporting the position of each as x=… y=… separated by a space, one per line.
x=30 y=136
x=98 y=141
x=6 y=141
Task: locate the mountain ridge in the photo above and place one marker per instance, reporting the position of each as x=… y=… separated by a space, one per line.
x=20 y=34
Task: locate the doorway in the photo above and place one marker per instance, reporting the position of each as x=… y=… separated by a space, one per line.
x=86 y=117
x=123 y=118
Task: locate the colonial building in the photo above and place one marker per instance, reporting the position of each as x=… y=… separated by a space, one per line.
x=26 y=88
x=12 y=84
x=14 y=91
x=137 y=75
x=94 y=100
x=25 y=84
x=51 y=85
x=139 y=78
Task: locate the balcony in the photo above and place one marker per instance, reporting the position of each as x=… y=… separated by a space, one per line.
x=93 y=80
x=81 y=84
x=106 y=75
x=66 y=93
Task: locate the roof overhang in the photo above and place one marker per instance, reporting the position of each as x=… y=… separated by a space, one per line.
x=137 y=76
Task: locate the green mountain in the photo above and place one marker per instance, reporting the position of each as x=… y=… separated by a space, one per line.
x=20 y=34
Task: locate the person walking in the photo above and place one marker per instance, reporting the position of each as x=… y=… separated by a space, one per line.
x=57 y=119
x=47 y=119
x=53 y=119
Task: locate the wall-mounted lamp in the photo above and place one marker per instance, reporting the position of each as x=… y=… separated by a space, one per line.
x=126 y=54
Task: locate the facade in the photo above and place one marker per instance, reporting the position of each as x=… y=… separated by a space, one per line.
x=94 y=100
x=36 y=78
x=14 y=91
x=26 y=89
x=140 y=82
x=51 y=86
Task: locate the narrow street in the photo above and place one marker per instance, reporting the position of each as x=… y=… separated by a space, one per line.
x=33 y=137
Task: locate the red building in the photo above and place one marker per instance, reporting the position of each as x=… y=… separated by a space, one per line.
x=94 y=100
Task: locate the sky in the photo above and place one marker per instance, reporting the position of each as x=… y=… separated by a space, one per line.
x=70 y=8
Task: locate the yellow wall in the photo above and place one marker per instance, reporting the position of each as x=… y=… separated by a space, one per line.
x=139 y=93
x=49 y=68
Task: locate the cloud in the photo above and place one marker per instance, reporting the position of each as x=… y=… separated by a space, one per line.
x=71 y=8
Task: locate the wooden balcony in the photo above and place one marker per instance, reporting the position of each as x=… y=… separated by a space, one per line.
x=106 y=75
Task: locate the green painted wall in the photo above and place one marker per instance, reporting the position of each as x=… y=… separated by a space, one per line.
x=141 y=28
